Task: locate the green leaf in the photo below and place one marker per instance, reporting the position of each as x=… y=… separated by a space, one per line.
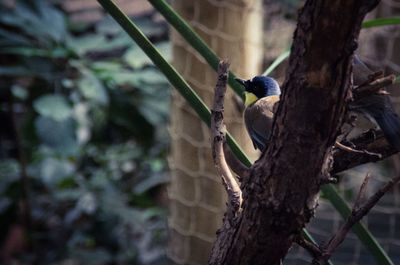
x=52 y=19
x=95 y=256
x=136 y=58
x=52 y=170
x=96 y=43
x=9 y=169
x=53 y=106
x=58 y=135
x=9 y=38
x=155 y=110
x=19 y=92
x=14 y=71
x=149 y=27
x=92 y=88
x=148 y=183
x=44 y=22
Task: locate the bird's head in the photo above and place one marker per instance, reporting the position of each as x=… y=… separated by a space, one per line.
x=259 y=87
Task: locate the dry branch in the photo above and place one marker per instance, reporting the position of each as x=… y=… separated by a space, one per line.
x=312 y=248
x=218 y=134
x=375 y=144
x=374 y=86
x=240 y=169
x=356 y=215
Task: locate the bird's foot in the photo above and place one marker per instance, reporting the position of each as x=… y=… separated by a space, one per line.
x=351 y=119
x=371 y=133
x=348 y=143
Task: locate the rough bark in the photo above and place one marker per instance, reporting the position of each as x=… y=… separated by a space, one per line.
x=281 y=194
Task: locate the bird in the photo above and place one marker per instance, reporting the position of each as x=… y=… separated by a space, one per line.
x=261 y=98
x=378 y=107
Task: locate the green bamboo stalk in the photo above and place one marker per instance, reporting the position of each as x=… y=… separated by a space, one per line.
x=170 y=73
x=379 y=22
x=183 y=87
x=277 y=62
x=194 y=40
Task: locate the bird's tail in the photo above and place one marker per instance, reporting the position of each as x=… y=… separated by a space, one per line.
x=389 y=122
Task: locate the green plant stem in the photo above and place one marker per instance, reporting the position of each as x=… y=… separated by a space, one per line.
x=379 y=22
x=194 y=40
x=170 y=73
x=277 y=62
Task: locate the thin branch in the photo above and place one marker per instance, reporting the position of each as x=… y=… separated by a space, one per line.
x=349 y=149
x=376 y=143
x=372 y=77
x=373 y=87
x=361 y=192
x=311 y=247
x=356 y=215
x=218 y=135
x=240 y=169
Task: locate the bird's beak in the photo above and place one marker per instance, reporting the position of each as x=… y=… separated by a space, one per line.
x=241 y=81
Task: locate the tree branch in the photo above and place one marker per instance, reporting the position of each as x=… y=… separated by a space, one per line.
x=373 y=86
x=240 y=169
x=218 y=134
x=373 y=142
x=312 y=248
x=356 y=215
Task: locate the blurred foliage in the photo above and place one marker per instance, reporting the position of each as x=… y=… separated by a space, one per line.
x=84 y=117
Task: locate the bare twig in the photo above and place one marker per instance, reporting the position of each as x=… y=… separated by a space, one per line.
x=377 y=144
x=240 y=169
x=361 y=192
x=375 y=86
x=349 y=149
x=372 y=77
x=218 y=134
x=356 y=215
x=312 y=248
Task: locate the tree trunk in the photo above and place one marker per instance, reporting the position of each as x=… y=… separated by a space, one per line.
x=281 y=194
x=233 y=28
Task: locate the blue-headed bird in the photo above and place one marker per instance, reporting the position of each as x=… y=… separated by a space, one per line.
x=261 y=98
x=378 y=107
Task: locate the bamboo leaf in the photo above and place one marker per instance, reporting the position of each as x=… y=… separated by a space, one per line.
x=277 y=62
x=194 y=40
x=379 y=22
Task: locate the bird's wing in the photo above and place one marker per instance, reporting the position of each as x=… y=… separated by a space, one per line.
x=258 y=119
x=381 y=109
x=360 y=71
